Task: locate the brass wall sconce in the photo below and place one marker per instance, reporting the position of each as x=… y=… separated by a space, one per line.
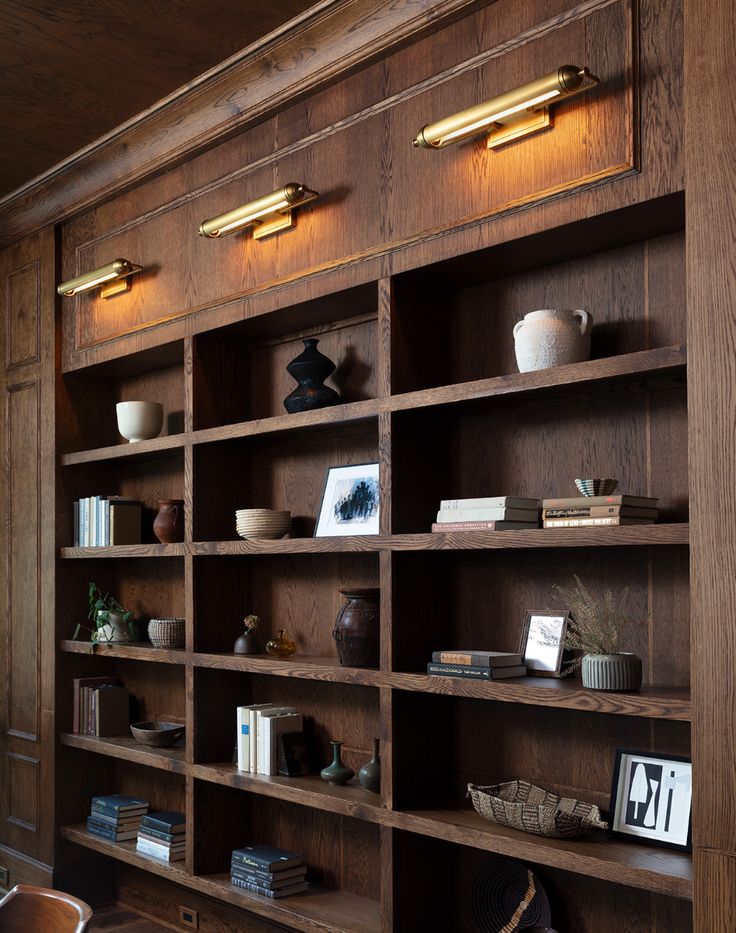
x=512 y=115
x=267 y=215
x=116 y=273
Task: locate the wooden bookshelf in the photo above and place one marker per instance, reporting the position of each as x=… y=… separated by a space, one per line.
x=136 y=651
x=126 y=748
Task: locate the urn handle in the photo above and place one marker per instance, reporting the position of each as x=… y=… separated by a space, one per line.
x=518 y=326
x=584 y=320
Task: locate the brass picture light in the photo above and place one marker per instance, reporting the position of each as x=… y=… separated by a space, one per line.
x=115 y=273
x=268 y=214
x=514 y=114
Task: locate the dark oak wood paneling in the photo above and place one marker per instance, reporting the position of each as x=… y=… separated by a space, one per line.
x=27 y=505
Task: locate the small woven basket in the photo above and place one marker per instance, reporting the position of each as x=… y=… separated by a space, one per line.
x=167 y=633
x=534 y=810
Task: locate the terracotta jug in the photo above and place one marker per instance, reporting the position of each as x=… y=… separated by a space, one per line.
x=356 y=630
x=168 y=525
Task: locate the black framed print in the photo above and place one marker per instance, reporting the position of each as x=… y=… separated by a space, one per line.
x=651 y=798
x=350 y=502
x=543 y=642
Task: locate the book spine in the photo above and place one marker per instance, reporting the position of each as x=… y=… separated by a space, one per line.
x=586 y=502
x=267 y=878
x=106 y=523
x=102 y=832
x=472 y=672
x=487 y=515
x=583 y=522
x=499 y=502
x=76 y=522
x=249 y=886
x=600 y=511
x=254 y=862
x=161 y=834
x=148 y=823
x=484 y=526
x=147 y=849
x=114 y=811
x=252 y=736
x=478 y=660
x=243 y=738
x=84 y=509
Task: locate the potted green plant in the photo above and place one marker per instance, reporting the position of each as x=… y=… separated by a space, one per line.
x=595 y=632
x=111 y=623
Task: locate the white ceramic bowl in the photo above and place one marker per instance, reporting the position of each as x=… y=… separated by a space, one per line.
x=140 y=421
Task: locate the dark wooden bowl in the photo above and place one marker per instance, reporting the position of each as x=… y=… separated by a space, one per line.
x=157 y=733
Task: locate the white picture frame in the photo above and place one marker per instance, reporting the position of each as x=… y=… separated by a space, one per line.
x=350 y=502
x=651 y=798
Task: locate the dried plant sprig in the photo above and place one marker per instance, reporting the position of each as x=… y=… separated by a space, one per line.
x=595 y=626
x=251 y=622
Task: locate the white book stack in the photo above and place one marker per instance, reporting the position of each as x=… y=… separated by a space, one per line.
x=258 y=728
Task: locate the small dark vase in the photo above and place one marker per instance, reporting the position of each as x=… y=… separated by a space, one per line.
x=356 y=630
x=337 y=772
x=168 y=525
x=247 y=643
x=310 y=369
x=370 y=774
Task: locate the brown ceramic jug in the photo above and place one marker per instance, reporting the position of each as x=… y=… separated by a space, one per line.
x=356 y=630
x=168 y=525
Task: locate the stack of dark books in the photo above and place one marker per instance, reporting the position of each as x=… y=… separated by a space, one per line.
x=476 y=665
x=268 y=871
x=495 y=513
x=163 y=835
x=584 y=511
x=116 y=817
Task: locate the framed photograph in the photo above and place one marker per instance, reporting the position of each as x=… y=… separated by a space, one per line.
x=350 y=503
x=543 y=642
x=651 y=798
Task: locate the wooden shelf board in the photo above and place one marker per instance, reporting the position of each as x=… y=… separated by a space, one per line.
x=628 y=365
x=349 y=800
x=335 y=415
x=606 y=536
x=306 y=667
x=140 y=450
x=650 y=702
x=126 y=747
x=603 y=536
x=660 y=870
x=134 y=651
x=317 y=909
x=641 y=363
x=124 y=550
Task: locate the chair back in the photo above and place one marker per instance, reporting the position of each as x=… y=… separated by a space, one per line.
x=26 y=908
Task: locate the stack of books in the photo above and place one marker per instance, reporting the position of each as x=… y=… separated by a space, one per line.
x=259 y=728
x=163 y=835
x=499 y=513
x=582 y=511
x=476 y=665
x=101 y=706
x=100 y=521
x=116 y=817
x=268 y=871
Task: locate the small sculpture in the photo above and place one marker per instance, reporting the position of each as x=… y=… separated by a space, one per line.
x=281 y=646
x=247 y=642
x=310 y=369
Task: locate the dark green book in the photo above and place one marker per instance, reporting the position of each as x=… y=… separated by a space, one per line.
x=167 y=821
x=267 y=858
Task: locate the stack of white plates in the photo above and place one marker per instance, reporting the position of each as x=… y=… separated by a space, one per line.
x=262 y=523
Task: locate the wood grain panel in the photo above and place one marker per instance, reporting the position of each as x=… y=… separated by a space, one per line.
x=22 y=553
x=23 y=775
x=715 y=886
x=588 y=144
x=22 y=316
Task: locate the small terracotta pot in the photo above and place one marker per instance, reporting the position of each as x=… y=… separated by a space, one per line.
x=168 y=525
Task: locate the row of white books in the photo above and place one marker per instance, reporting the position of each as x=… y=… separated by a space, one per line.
x=258 y=729
x=101 y=521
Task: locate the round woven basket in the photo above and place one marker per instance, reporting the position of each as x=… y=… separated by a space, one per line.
x=167 y=633
x=532 y=809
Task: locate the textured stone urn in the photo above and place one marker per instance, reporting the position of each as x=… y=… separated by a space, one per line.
x=552 y=338
x=612 y=671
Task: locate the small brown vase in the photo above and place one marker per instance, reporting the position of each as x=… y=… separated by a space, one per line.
x=168 y=525
x=356 y=630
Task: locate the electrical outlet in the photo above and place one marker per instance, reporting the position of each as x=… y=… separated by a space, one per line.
x=189 y=918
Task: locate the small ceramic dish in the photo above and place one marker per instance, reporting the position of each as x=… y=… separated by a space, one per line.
x=596 y=487
x=157 y=733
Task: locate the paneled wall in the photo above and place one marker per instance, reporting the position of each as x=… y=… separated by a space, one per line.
x=27 y=555
x=383 y=203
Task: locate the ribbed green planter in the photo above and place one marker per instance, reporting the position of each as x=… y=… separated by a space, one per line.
x=612 y=671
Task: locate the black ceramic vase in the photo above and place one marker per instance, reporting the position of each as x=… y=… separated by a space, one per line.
x=310 y=369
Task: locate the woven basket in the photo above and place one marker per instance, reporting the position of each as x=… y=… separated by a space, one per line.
x=534 y=810
x=167 y=633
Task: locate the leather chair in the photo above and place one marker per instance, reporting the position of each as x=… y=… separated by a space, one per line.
x=26 y=908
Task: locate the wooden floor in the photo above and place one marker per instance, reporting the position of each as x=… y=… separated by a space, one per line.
x=121 y=920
